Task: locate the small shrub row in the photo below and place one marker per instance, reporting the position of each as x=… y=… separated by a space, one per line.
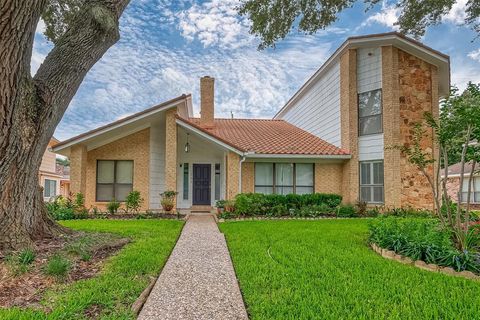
x=250 y=204
x=73 y=207
x=424 y=239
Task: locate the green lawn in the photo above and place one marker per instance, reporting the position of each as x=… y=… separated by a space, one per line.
x=324 y=270
x=123 y=278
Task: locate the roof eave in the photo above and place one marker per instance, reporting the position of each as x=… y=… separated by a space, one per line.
x=366 y=40
x=64 y=145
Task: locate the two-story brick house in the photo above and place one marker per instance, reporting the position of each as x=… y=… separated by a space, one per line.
x=331 y=136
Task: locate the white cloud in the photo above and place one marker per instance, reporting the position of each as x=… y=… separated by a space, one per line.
x=215 y=22
x=387 y=16
x=475 y=55
x=41 y=27
x=457 y=14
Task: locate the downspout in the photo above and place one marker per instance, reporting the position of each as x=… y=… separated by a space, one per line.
x=242 y=159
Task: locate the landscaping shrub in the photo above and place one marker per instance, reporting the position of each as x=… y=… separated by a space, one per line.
x=248 y=204
x=134 y=201
x=64 y=208
x=423 y=239
x=113 y=206
x=346 y=211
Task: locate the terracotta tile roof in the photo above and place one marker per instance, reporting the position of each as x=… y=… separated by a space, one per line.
x=266 y=136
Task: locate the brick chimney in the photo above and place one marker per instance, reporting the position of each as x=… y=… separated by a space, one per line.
x=207 y=101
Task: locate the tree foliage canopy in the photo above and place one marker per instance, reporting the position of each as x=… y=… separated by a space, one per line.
x=272 y=20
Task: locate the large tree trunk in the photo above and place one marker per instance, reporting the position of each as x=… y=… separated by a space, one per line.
x=30 y=108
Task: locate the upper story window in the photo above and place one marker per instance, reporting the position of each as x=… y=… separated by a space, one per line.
x=284 y=178
x=370 y=112
x=114 y=179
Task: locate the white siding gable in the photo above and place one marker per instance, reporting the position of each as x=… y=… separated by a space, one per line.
x=369 y=69
x=369 y=77
x=318 y=109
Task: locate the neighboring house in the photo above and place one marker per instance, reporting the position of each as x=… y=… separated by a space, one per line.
x=50 y=179
x=64 y=171
x=329 y=137
x=453 y=184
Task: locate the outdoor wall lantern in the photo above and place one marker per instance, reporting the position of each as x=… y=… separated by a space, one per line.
x=187 y=145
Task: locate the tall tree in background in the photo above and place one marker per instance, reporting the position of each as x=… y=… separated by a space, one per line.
x=82 y=31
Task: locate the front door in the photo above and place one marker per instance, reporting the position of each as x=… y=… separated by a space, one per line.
x=201 y=184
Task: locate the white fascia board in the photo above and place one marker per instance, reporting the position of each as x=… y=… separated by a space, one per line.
x=208 y=137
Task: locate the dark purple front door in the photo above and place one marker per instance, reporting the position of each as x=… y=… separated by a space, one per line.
x=201 y=184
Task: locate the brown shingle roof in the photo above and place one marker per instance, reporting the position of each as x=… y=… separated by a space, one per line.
x=267 y=137
x=455 y=169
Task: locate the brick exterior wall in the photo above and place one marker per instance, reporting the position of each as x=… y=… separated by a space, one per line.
x=328 y=178
x=391 y=126
x=170 y=151
x=78 y=169
x=134 y=147
x=248 y=177
x=232 y=174
x=349 y=124
x=416 y=98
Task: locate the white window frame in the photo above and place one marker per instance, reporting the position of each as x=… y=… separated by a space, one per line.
x=371 y=185
x=380 y=115
x=294 y=186
x=474 y=194
x=45 y=188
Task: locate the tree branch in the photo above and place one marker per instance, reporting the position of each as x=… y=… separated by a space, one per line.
x=93 y=32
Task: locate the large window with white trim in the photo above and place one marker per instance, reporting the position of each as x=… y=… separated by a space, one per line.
x=474 y=191
x=114 y=179
x=371 y=181
x=370 y=112
x=284 y=178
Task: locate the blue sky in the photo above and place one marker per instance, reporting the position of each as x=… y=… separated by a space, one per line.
x=167 y=45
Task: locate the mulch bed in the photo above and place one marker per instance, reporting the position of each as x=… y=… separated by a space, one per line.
x=26 y=289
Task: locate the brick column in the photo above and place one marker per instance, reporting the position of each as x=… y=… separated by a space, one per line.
x=232 y=166
x=170 y=151
x=349 y=124
x=78 y=169
x=391 y=126
x=248 y=177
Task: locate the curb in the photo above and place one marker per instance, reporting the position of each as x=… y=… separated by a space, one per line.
x=392 y=255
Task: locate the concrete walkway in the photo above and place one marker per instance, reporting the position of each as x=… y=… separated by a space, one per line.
x=198 y=280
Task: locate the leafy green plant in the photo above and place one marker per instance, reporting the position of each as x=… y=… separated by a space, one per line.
x=262 y=204
x=26 y=256
x=168 y=200
x=113 y=206
x=220 y=204
x=134 y=201
x=346 y=211
x=79 y=201
x=57 y=266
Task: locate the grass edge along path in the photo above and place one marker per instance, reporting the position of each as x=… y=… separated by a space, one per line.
x=324 y=269
x=123 y=276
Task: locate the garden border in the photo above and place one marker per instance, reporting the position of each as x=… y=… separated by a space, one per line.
x=392 y=255
x=288 y=218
